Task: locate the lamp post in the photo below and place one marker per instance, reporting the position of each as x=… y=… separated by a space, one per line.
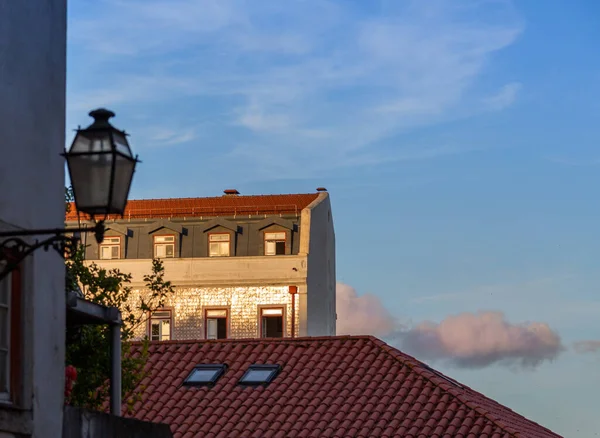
x=101 y=168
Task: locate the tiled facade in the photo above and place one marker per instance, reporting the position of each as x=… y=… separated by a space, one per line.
x=243 y=304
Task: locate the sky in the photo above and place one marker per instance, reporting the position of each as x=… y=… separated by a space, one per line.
x=457 y=140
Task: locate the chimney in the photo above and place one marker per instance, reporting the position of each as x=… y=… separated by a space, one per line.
x=231 y=192
x=321 y=189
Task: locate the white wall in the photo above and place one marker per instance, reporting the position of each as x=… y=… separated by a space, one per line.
x=32 y=117
x=218 y=271
x=319 y=243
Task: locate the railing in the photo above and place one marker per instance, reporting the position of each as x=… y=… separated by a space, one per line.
x=200 y=212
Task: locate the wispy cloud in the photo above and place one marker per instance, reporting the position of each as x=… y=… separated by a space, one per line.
x=504 y=98
x=574 y=162
x=587 y=346
x=168 y=137
x=531 y=287
x=315 y=82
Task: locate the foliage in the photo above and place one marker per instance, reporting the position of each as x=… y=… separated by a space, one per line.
x=69 y=197
x=88 y=346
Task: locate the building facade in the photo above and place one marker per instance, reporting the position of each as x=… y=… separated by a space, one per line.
x=242 y=266
x=32 y=137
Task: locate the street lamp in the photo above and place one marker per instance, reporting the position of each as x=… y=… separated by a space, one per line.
x=101 y=168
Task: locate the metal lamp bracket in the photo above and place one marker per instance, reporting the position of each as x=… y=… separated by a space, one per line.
x=14 y=249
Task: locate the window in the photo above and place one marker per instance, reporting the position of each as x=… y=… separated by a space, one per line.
x=160 y=325
x=218 y=245
x=5 y=323
x=10 y=336
x=164 y=246
x=271 y=322
x=216 y=323
x=205 y=374
x=110 y=248
x=260 y=374
x=275 y=243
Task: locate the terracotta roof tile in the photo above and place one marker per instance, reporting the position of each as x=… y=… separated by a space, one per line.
x=329 y=386
x=211 y=207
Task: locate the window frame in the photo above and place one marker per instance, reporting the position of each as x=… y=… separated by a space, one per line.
x=262 y=308
x=154 y=244
x=151 y=317
x=110 y=245
x=229 y=240
x=13 y=284
x=284 y=240
x=227 y=321
x=274 y=368
x=219 y=369
x=6 y=288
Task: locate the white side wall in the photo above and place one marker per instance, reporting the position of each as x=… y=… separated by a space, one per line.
x=32 y=130
x=317 y=240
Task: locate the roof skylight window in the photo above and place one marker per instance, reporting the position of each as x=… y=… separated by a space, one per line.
x=205 y=375
x=260 y=374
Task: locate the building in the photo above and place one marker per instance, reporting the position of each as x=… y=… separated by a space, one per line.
x=346 y=386
x=32 y=137
x=243 y=266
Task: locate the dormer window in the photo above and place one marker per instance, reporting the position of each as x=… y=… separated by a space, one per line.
x=110 y=248
x=219 y=244
x=164 y=246
x=275 y=243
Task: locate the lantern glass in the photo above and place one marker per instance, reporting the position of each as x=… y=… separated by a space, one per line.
x=90 y=177
x=121 y=144
x=88 y=142
x=101 y=167
x=124 y=168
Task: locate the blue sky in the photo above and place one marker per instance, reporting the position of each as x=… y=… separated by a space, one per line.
x=457 y=140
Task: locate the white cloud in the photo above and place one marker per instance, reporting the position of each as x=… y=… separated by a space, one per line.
x=481 y=339
x=362 y=315
x=254 y=118
x=504 y=98
x=284 y=72
x=468 y=340
x=168 y=137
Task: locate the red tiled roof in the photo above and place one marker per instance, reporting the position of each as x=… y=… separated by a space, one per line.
x=353 y=386
x=216 y=206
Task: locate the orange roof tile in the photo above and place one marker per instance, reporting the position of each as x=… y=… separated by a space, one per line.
x=329 y=387
x=210 y=207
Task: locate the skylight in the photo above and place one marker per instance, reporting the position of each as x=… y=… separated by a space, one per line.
x=260 y=374
x=205 y=374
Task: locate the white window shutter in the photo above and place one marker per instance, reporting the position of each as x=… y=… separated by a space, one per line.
x=211 y=328
x=270 y=248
